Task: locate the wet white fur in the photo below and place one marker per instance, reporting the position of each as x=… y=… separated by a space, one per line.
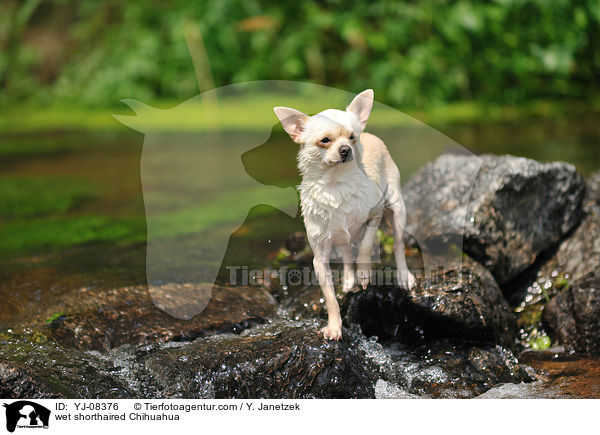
x=343 y=202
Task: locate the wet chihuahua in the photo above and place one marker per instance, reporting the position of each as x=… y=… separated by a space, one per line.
x=349 y=181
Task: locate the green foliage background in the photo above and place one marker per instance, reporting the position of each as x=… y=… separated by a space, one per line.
x=413 y=53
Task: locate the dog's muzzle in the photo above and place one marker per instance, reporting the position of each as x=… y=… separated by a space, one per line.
x=345 y=153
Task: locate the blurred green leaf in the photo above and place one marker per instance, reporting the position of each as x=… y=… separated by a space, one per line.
x=540 y=343
x=414 y=54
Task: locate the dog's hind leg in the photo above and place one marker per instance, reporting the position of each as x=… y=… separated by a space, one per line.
x=333 y=330
x=347 y=255
x=403 y=275
x=365 y=252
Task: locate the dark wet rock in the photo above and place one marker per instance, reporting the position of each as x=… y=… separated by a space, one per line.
x=281 y=360
x=578 y=255
x=18 y=382
x=444 y=369
x=572 y=316
x=33 y=367
x=303 y=303
x=509 y=209
x=463 y=303
x=568 y=277
x=459 y=372
x=104 y=320
x=591 y=202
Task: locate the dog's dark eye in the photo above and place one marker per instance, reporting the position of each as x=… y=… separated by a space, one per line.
x=352 y=137
x=325 y=140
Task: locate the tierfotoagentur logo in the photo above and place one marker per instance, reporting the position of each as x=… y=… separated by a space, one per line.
x=25 y=414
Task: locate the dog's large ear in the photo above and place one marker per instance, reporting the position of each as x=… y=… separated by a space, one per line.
x=292 y=121
x=361 y=106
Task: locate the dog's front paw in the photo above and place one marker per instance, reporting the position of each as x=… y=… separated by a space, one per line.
x=332 y=332
x=406 y=279
x=363 y=274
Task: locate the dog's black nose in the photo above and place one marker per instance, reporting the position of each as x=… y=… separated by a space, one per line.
x=344 y=151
